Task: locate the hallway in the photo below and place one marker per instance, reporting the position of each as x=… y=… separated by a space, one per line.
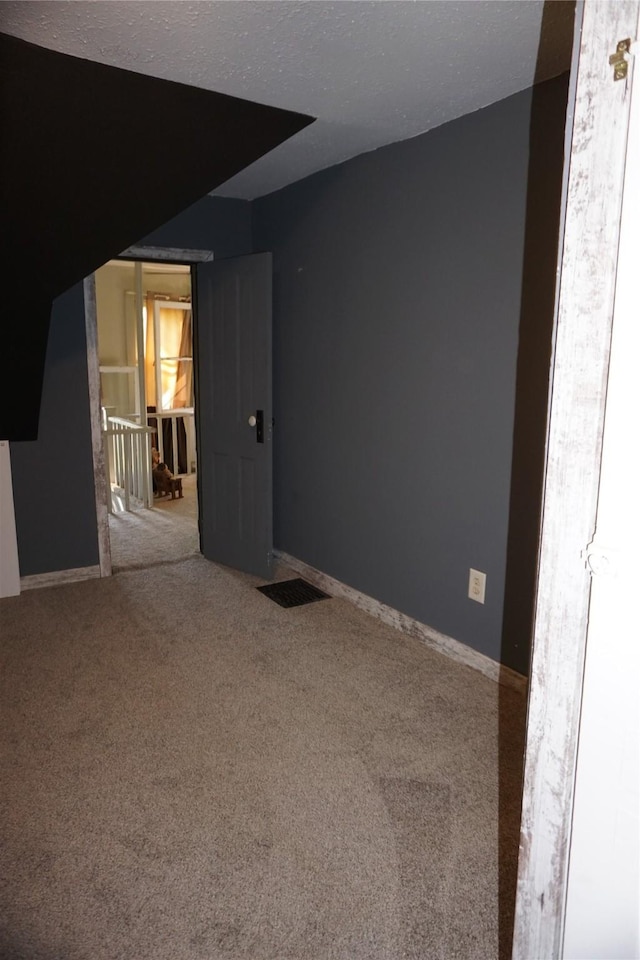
x=167 y=532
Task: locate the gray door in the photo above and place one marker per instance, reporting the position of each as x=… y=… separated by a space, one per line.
x=233 y=403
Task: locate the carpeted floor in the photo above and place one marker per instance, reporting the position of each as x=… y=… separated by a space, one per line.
x=168 y=532
x=191 y=771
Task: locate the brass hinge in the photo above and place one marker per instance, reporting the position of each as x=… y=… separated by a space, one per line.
x=619 y=61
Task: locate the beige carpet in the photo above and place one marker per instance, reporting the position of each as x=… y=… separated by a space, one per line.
x=191 y=771
x=168 y=531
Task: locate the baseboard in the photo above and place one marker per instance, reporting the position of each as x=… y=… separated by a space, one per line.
x=451 y=648
x=56 y=577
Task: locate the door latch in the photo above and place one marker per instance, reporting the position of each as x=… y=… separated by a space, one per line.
x=619 y=60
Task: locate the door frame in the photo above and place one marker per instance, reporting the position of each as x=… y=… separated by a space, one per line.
x=598 y=121
x=136 y=252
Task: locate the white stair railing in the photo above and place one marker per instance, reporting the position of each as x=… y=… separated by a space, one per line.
x=127 y=447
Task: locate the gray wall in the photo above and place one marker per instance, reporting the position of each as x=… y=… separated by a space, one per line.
x=397 y=300
x=214 y=223
x=53 y=475
x=413 y=296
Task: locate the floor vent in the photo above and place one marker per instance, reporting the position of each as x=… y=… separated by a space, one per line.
x=293 y=593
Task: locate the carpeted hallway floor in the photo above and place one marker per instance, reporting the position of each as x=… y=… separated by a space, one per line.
x=191 y=771
x=167 y=532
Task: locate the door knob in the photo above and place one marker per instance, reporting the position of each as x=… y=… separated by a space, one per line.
x=258 y=422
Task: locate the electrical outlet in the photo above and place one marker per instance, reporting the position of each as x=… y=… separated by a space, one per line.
x=477 y=585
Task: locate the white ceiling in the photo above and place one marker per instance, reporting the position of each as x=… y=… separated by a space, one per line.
x=371 y=72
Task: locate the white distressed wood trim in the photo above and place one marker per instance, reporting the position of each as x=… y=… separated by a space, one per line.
x=140 y=378
x=9 y=563
x=58 y=577
x=603 y=893
x=101 y=488
x=576 y=413
x=168 y=254
x=437 y=641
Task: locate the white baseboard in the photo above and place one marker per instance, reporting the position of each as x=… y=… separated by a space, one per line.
x=432 y=638
x=56 y=577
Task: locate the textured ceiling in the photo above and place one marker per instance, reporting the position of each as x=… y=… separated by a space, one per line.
x=371 y=72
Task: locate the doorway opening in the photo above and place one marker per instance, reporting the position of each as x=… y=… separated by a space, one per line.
x=144 y=326
x=232 y=410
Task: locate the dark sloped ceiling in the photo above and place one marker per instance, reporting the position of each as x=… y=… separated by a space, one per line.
x=92 y=159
